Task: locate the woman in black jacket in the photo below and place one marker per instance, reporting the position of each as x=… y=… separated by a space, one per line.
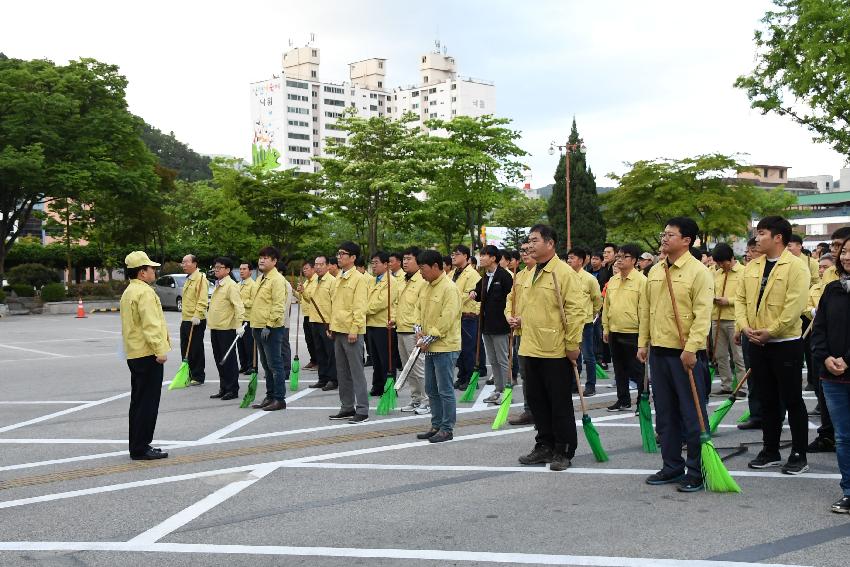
x=831 y=352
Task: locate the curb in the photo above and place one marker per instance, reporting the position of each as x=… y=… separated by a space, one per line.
x=105 y=310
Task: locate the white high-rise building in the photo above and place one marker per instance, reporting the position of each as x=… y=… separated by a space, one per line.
x=293 y=114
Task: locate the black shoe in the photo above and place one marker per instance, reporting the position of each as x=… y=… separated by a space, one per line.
x=815 y=412
x=541 y=454
x=318 y=385
x=150 y=455
x=842 y=506
x=490 y=382
x=375 y=393
x=809 y=388
x=427 y=434
x=589 y=391
x=796 y=464
x=618 y=406
x=358 y=418
x=275 y=405
x=330 y=386
x=750 y=424
x=765 y=460
x=560 y=462
x=247 y=371
x=690 y=484
x=461 y=385
x=441 y=436
x=214 y=396
x=662 y=477
x=262 y=404
x=821 y=444
x=604 y=365
x=342 y=415
x=722 y=392
x=230 y=396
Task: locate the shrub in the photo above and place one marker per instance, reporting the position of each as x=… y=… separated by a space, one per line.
x=35 y=275
x=170 y=268
x=91 y=289
x=53 y=292
x=23 y=290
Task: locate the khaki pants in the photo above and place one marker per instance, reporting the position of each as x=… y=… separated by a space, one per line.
x=725 y=344
x=416 y=378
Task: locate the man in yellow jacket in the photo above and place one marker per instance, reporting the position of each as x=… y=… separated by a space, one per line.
x=659 y=341
x=146 y=345
x=246 y=341
x=348 y=325
x=576 y=259
x=225 y=323
x=382 y=291
x=838 y=238
x=465 y=278
x=770 y=299
x=726 y=282
x=550 y=350
x=320 y=297
x=194 y=314
x=308 y=271
x=268 y=322
x=525 y=418
x=405 y=316
x=441 y=325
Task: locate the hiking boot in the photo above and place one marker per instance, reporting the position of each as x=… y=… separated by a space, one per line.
x=427 y=434
x=261 y=405
x=494 y=398
x=765 y=459
x=525 y=418
x=690 y=484
x=411 y=407
x=842 y=506
x=441 y=436
x=796 y=464
x=821 y=444
x=276 y=405
x=560 y=462
x=662 y=477
x=541 y=454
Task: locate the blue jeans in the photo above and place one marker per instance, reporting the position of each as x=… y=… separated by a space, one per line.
x=269 y=352
x=466 y=361
x=838 y=401
x=439 y=367
x=587 y=355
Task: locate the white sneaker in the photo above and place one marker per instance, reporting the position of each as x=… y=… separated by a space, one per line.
x=495 y=398
x=422 y=410
x=411 y=407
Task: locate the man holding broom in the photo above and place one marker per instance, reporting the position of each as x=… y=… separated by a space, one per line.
x=268 y=314
x=246 y=341
x=406 y=315
x=225 y=322
x=380 y=297
x=726 y=281
x=525 y=418
x=672 y=366
x=194 y=314
x=466 y=278
x=319 y=297
x=550 y=350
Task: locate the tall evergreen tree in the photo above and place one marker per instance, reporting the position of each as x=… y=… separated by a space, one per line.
x=586 y=225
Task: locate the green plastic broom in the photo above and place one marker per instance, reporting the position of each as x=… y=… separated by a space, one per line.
x=645 y=416
x=295 y=371
x=469 y=394
x=508 y=394
x=600 y=372
x=721 y=411
x=181 y=379
x=248 y=398
x=388 y=399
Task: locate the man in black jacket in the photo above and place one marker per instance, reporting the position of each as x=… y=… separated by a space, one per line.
x=492 y=292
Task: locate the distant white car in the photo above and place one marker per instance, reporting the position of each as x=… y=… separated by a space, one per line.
x=169 y=288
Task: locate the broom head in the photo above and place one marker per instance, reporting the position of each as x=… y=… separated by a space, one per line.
x=715 y=476
x=744 y=416
x=593 y=439
x=600 y=373
x=469 y=393
x=181 y=379
x=248 y=399
x=718 y=415
x=645 y=419
x=504 y=408
x=712 y=371
x=388 y=399
x=293 y=374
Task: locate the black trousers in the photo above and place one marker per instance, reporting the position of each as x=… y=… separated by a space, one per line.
x=826 y=429
x=626 y=365
x=811 y=374
x=377 y=343
x=548 y=389
x=145 y=390
x=228 y=370
x=308 y=338
x=245 y=344
x=778 y=369
x=325 y=358
x=196 y=360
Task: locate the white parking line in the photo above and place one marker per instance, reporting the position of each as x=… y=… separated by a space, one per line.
x=53 y=354
x=63 y=412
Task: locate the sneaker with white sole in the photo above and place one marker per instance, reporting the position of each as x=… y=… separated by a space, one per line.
x=796 y=464
x=494 y=398
x=422 y=410
x=411 y=407
x=765 y=460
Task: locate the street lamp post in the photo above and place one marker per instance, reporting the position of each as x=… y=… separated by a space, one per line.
x=566 y=149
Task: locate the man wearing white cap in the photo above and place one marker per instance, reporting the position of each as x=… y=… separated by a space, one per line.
x=646 y=262
x=146 y=344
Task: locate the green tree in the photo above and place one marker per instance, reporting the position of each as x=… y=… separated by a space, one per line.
x=653 y=191
x=517 y=214
x=803 y=67
x=373 y=177
x=65 y=133
x=587 y=229
x=478 y=161
x=174 y=154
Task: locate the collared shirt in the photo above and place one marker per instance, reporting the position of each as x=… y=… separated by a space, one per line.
x=142 y=322
x=269 y=301
x=306 y=305
x=378 y=301
x=467 y=280
x=323 y=296
x=196 y=297
x=815 y=293
x=829 y=275
x=516 y=291
x=782 y=302
x=441 y=314
x=543 y=332
x=246 y=292
x=693 y=287
x=348 y=309
x=730 y=282
x=621 y=313
x=407 y=303
x=226 y=308
x=592 y=295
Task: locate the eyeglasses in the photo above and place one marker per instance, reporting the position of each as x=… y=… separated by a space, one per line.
x=622 y=256
x=342 y=253
x=220 y=268
x=668 y=235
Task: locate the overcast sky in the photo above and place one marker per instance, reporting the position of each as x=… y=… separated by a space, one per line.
x=643 y=79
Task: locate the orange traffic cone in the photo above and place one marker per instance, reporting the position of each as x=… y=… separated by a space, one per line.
x=81 y=312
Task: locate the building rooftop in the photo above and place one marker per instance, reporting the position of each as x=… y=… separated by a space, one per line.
x=836 y=198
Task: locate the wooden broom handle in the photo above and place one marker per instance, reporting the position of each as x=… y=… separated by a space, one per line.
x=511 y=335
x=390 y=360
x=694 y=392
x=719 y=307
x=564 y=323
